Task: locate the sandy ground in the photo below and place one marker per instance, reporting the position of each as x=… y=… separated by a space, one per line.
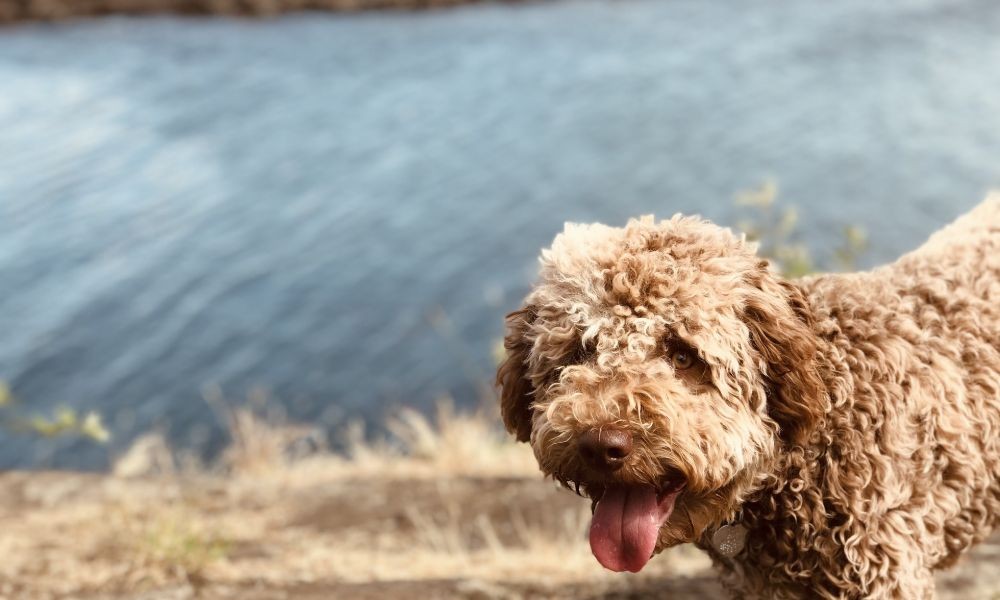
x=321 y=532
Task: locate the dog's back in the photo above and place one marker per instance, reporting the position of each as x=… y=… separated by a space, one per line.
x=964 y=256
x=920 y=341
x=958 y=270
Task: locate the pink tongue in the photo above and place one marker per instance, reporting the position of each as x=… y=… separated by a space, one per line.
x=625 y=526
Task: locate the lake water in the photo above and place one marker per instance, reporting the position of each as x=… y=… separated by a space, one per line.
x=293 y=204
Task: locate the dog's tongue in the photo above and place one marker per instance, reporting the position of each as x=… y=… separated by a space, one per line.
x=625 y=526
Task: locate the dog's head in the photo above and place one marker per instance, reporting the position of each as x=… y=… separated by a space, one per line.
x=658 y=367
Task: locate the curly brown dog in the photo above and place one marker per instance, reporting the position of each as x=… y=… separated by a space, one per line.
x=836 y=436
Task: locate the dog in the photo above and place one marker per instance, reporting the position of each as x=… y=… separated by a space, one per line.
x=835 y=436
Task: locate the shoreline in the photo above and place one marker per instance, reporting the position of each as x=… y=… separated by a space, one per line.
x=28 y=11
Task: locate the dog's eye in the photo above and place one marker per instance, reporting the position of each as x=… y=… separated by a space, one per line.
x=682 y=359
x=680 y=355
x=688 y=366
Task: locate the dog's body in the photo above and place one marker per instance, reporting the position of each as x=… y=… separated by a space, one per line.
x=849 y=423
x=906 y=473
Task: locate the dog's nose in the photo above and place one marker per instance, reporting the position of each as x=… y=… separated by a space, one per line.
x=605 y=449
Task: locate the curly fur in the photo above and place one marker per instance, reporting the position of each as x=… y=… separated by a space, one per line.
x=851 y=422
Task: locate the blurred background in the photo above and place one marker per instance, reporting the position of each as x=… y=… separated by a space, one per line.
x=337 y=210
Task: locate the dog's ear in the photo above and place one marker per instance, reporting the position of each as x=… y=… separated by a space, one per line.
x=780 y=321
x=516 y=390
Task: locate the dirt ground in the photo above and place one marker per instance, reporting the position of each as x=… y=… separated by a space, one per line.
x=316 y=532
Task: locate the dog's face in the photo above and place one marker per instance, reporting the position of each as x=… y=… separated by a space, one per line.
x=658 y=368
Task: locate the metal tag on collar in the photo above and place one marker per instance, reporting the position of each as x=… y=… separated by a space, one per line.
x=729 y=540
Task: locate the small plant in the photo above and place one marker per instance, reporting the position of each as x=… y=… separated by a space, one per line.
x=181 y=548
x=775 y=229
x=6 y=399
x=172 y=539
x=63 y=421
x=855 y=244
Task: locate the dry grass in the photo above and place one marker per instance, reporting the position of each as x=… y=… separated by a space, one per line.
x=447 y=508
x=455 y=444
x=433 y=500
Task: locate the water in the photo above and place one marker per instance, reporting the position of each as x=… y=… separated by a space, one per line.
x=288 y=204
